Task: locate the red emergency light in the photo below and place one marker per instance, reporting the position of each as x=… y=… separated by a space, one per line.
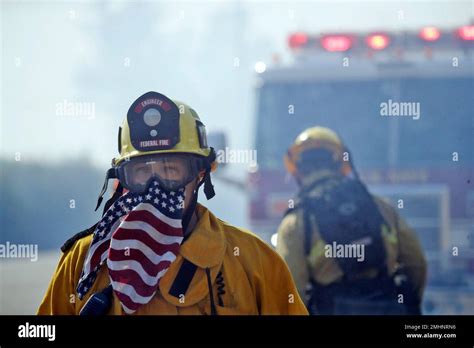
x=430 y=34
x=381 y=40
x=377 y=41
x=337 y=43
x=297 y=40
x=466 y=33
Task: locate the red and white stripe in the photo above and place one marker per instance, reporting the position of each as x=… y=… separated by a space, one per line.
x=141 y=250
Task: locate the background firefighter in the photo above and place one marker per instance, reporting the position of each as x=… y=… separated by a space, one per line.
x=334 y=207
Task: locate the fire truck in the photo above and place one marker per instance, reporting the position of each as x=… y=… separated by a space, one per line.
x=403 y=103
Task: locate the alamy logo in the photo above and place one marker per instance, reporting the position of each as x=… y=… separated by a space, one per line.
x=406 y=109
x=228 y=155
x=76 y=109
x=19 y=251
x=37 y=331
x=352 y=250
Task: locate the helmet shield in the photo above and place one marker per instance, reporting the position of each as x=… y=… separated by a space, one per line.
x=172 y=171
x=153 y=120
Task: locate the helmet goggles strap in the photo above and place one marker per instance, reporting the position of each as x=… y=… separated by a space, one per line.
x=111 y=174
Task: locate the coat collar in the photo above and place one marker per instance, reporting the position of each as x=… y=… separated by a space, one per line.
x=204 y=248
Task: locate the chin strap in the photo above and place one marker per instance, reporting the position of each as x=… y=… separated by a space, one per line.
x=117 y=194
x=111 y=174
x=192 y=205
x=208 y=186
x=208 y=191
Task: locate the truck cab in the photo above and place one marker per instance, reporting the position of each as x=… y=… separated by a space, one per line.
x=403 y=104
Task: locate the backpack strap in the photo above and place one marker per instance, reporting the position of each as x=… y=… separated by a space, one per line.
x=70 y=242
x=308 y=231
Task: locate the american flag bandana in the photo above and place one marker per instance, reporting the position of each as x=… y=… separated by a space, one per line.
x=139 y=237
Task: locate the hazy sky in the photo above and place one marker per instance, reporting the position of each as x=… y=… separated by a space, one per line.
x=103 y=55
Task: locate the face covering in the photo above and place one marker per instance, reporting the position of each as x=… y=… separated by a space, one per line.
x=138 y=237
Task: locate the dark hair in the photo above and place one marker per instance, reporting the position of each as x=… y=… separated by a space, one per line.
x=317 y=159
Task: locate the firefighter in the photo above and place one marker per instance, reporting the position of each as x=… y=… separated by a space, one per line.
x=156 y=250
x=349 y=252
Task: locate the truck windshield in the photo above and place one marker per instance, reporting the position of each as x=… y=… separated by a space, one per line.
x=444 y=123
